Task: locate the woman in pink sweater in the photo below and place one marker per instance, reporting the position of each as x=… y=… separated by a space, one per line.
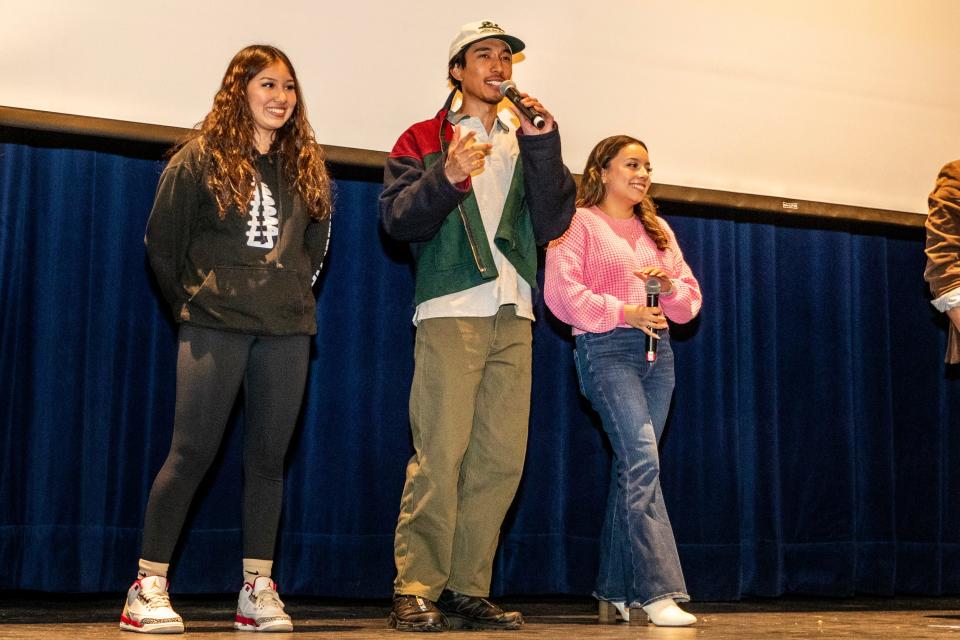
x=596 y=279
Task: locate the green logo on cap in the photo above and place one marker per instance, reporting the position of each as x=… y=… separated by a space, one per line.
x=486 y=25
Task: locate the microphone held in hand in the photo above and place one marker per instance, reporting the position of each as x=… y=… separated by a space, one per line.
x=653 y=300
x=508 y=89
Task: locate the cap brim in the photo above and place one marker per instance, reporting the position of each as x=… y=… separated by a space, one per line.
x=516 y=44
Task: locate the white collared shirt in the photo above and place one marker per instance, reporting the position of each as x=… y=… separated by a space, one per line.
x=490 y=186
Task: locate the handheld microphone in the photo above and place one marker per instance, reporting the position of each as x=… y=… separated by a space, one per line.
x=508 y=89
x=653 y=300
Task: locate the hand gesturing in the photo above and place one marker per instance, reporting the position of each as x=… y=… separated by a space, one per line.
x=465 y=156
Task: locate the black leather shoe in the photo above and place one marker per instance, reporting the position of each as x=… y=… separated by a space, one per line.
x=473 y=612
x=413 y=613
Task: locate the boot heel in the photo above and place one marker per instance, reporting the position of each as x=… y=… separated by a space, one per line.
x=638 y=617
x=607 y=612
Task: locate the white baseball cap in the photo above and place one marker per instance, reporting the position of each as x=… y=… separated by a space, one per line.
x=481 y=30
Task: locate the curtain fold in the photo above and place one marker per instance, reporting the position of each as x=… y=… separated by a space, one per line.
x=810 y=446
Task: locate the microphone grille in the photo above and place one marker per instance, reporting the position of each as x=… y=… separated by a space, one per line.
x=653 y=286
x=506 y=85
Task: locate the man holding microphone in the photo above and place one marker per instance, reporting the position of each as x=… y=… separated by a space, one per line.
x=474 y=190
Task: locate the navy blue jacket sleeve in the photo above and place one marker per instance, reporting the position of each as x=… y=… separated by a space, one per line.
x=550 y=189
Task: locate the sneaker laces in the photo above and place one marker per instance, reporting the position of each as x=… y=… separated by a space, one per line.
x=156 y=599
x=267 y=597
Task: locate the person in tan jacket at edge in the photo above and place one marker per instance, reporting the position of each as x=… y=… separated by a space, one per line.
x=943 y=252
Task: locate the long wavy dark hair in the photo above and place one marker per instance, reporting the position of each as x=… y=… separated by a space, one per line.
x=591 y=190
x=227 y=135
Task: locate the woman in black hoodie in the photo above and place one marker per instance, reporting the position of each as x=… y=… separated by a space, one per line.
x=237 y=234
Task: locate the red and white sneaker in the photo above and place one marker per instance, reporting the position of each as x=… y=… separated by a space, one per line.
x=259 y=608
x=148 y=610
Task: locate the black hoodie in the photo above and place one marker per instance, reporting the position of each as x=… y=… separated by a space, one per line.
x=250 y=272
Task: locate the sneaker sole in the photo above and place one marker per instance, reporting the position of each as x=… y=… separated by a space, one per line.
x=276 y=627
x=152 y=628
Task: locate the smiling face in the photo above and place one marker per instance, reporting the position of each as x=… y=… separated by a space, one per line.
x=487 y=63
x=626 y=178
x=272 y=97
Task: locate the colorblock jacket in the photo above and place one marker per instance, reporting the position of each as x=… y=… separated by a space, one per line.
x=442 y=221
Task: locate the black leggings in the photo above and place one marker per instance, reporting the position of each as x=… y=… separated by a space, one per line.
x=211 y=366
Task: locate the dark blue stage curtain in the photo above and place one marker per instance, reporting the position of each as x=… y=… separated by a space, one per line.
x=809 y=449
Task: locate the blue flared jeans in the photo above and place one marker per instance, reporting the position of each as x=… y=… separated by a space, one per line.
x=638 y=553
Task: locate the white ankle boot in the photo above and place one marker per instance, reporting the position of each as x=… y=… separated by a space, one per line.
x=666 y=613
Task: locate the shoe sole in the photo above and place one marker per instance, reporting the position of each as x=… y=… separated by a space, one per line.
x=276 y=627
x=462 y=622
x=394 y=623
x=671 y=625
x=159 y=628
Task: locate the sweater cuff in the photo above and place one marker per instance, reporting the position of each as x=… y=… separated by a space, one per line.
x=620 y=318
x=673 y=289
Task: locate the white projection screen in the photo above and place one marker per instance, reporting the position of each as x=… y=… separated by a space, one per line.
x=846 y=102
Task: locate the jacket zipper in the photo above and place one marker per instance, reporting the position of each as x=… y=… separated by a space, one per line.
x=470 y=240
x=463 y=214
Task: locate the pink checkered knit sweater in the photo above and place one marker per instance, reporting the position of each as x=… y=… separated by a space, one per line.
x=589 y=274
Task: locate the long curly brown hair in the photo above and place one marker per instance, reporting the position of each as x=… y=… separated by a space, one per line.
x=227 y=135
x=591 y=190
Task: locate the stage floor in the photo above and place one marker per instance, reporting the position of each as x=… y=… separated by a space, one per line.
x=48 y=617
